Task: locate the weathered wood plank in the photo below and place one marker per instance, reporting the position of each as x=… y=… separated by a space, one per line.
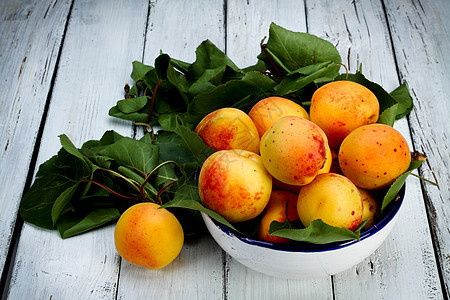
x=420 y=35
x=360 y=33
x=30 y=35
x=177 y=28
x=102 y=39
x=248 y=23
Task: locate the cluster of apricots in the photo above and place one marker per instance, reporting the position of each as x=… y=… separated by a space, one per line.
x=282 y=162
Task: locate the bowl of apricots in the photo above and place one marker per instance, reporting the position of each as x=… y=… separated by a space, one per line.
x=302 y=194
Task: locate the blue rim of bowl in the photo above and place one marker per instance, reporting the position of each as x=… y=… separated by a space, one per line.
x=389 y=214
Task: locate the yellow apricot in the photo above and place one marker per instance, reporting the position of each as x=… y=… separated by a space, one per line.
x=280 y=202
x=332 y=198
x=228 y=128
x=339 y=107
x=148 y=236
x=373 y=156
x=371 y=207
x=235 y=184
x=293 y=150
x=269 y=110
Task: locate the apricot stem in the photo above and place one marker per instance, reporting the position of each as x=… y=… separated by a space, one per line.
x=424 y=179
x=147 y=178
x=145 y=125
x=132 y=182
x=111 y=190
x=153 y=101
x=346 y=70
x=263 y=48
x=163 y=189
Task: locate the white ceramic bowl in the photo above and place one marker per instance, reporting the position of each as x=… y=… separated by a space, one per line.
x=305 y=260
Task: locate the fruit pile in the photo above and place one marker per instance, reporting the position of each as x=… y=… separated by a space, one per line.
x=288 y=150
x=278 y=160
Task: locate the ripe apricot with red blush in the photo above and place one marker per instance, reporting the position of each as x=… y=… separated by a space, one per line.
x=339 y=107
x=373 y=156
x=294 y=150
x=235 y=184
x=228 y=128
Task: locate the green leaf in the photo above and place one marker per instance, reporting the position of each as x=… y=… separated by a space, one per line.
x=171 y=148
x=54 y=177
x=297 y=79
x=73 y=224
x=317 y=232
x=140 y=70
x=189 y=140
x=132 y=105
x=70 y=147
x=398 y=184
x=293 y=50
x=403 y=99
x=208 y=56
x=136 y=116
x=388 y=116
x=61 y=203
x=133 y=154
x=192 y=142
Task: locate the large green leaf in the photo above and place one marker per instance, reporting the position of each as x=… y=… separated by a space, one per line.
x=57 y=176
x=208 y=56
x=133 y=154
x=74 y=223
x=398 y=184
x=317 y=232
x=292 y=50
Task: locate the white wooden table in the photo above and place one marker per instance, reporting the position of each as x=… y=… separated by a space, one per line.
x=64 y=64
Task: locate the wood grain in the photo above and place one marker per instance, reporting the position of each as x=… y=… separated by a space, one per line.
x=64 y=63
x=94 y=65
x=197 y=273
x=420 y=31
x=31 y=34
x=354 y=26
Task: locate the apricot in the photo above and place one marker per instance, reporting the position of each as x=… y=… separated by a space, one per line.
x=282 y=205
x=228 y=128
x=296 y=188
x=373 y=156
x=235 y=184
x=370 y=208
x=293 y=150
x=148 y=236
x=269 y=110
x=339 y=107
x=333 y=198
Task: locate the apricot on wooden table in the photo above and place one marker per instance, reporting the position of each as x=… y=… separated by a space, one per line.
x=282 y=205
x=339 y=107
x=332 y=198
x=293 y=150
x=228 y=128
x=269 y=110
x=148 y=236
x=235 y=184
x=373 y=156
